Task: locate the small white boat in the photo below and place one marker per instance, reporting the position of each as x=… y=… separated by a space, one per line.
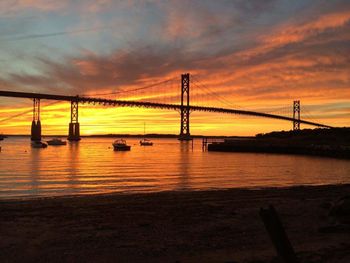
x=38 y=144
x=120 y=145
x=56 y=141
x=146 y=142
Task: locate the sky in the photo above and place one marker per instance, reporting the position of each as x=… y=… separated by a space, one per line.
x=243 y=54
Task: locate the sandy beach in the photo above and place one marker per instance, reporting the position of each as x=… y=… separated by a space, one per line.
x=203 y=226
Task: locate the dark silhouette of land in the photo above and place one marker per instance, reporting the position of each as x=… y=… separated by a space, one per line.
x=333 y=142
x=335 y=136
x=199 y=226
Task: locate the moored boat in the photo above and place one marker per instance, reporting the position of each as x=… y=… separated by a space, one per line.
x=56 y=141
x=38 y=144
x=120 y=145
x=146 y=142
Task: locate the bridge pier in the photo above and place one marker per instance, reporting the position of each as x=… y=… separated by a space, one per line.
x=296 y=115
x=74 y=127
x=36 y=125
x=185 y=108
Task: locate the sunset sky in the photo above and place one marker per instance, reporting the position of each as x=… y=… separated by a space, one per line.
x=244 y=54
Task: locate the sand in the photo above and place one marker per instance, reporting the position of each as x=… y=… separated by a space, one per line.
x=202 y=226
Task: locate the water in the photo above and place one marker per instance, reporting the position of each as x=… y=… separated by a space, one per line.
x=91 y=166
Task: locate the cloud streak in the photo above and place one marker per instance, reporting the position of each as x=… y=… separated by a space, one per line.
x=54 y=34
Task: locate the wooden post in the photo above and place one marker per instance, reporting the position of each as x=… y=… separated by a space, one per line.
x=278 y=235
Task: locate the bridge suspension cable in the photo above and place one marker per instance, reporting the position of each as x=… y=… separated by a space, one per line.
x=212 y=93
x=132 y=90
x=26 y=112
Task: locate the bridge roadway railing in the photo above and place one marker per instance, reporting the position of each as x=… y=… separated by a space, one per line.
x=125 y=103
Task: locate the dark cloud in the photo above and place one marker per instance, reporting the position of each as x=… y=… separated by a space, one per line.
x=254 y=6
x=92 y=72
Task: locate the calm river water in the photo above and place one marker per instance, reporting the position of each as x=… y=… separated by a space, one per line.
x=91 y=166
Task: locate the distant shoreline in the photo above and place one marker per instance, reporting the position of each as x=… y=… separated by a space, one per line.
x=151 y=135
x=318 y=142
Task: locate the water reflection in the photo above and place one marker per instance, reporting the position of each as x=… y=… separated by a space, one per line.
x=35 y=168
x=184 y=158
x=91 y=166
x=73 y=162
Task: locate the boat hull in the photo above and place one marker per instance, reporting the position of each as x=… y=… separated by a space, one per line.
x=39 y=145
x=121 y=148
x=146 y=143
x=56 y=143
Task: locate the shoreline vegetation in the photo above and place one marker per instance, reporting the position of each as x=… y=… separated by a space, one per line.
x=197 y=226
x=333 y=142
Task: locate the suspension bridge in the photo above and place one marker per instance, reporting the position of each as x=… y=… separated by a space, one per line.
x=184 y=107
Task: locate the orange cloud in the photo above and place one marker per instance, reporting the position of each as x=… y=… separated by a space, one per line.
x=294 y=32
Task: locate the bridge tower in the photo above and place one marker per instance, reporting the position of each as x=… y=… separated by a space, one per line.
x=185 y=108
x=296 y=115
x=36 y=125
x=74 y=127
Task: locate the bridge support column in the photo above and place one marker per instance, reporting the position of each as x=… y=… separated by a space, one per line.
x=296 y=115
x=74 y=127
x=36 y=125
x=185 y=108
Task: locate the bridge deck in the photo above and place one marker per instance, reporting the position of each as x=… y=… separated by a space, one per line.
x=125 y=103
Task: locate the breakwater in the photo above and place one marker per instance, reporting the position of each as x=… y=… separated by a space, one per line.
x=325 y=143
